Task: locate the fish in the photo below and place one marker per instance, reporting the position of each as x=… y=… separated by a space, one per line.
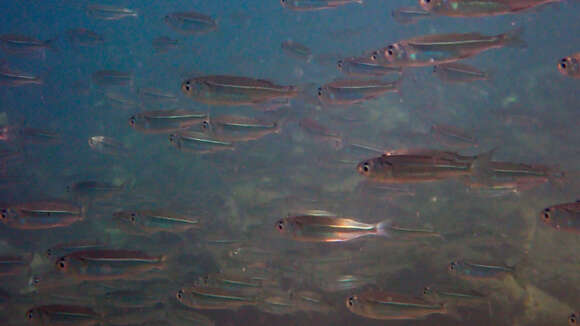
x=321 y=133
x=37 y=135
x=382 y=305
x=563 y=217
x=479 y=8
x=199 y=142
x=107 y=12
x=236 y=128
x=38 y=215
x=108 y=264
x=13 y=78
x=190 y=22
x=18 y=44
x=347 y=92
x=165 y=121
x=459 y=73
x=409 y=15
x=108 y=78
x=514 y=170
x=409 y=232
x=234 y=90
x=107 y=145
x=311 y=5
x=152 y=221
x=437 y=49
x=209 y=298
x=297 y=50
x=423 y=166
x=451 y=136
x=474 y=271
x=570 y=66
x=364 y=67
x=84 y=37
x=63 y=315
x=343 y=282
x=231 y=280
x=164 y=44
x=328 y=228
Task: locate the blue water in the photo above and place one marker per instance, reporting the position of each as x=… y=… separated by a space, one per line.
x=527 y=110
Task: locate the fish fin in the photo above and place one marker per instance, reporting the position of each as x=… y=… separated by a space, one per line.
x=514 y=39
x=480 y=167
x=383 y=228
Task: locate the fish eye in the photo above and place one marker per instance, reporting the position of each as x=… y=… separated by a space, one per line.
x=563 y=65
x=280 y=225
x=452 y=266
x=366 y=167
x=133 y=217
x=374 y=57
x=390 y=52
x=236 y=251
x=187 y=88
x=132 y=120
x=29 y=315
x=49 y=252
x=180 y=294
x=350 y=301
x=339 y=63
x=172 y=138
x=61 y=263
x=426 y=290
x=319 y=91
x=427 y=1
x=572 y=319
x=546 y=214
x=4 y=213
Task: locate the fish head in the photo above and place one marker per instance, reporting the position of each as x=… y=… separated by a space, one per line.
x=453 y=267
x=375 y=168
x=33 y=315
x=322 y=93
x=569 y=66
x=340 y=64
x=428 y=5
x=428 y=291
x=192 y=87
x=126 y=217
x=548 y=216
x=282 y=225
x=573 y=319
x=7 y=215
x=63 y=264
x=285 y=3
x=174 y=140
x=133 y=121
x=394 y=53
x=353 y=303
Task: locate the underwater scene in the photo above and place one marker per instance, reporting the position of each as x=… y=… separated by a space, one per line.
x=290 y=162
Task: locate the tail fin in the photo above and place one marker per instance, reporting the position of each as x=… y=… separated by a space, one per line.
x=383 y=228
x=514 y=39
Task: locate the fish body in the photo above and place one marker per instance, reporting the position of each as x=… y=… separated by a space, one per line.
x=563 y=217
x=419 y=167
x=101 y=265
x=163 y=44
x=198 y=142
x=234 y=90
x=297 y=50
x=13 y=78
x=479 y=8
x=452 y=136
x=165 y=121
x=107 y=145
x=151 y=221
x=63 y=315
x=12 y=265
x=459 y=73
x=408 y=15
x=321 y=133
x=191 y=22
x=106 y=12
x=209 y=298
x=240 y=128
x=364 y=67
x=346 y=92
x=462 y=297
x=66 y=248
x=570 y=66
x=523 y=170
x=311 y=5
x=391 y=306
x=106 y=78
x=84 y=37
x=436 y=49
x=321 y=228
x=475 y=271
x=41 y=215
x=18 y=44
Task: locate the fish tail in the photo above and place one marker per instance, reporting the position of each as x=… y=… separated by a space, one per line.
x=513 y=38
x=383 y=228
